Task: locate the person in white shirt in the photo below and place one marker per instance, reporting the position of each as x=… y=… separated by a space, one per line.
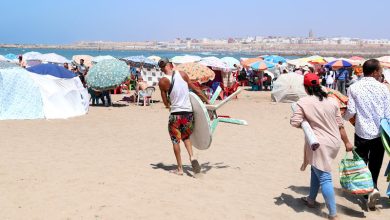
x=330 y=79
x=369 y=102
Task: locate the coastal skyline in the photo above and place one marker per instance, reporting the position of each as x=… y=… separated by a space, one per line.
x=52 y=22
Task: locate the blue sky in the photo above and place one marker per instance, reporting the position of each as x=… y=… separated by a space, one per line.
x=67 y=21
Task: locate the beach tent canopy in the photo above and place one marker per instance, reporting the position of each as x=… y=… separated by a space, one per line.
x=288 y=88
x=53 y=70
x=27 y=95
x=20 y=96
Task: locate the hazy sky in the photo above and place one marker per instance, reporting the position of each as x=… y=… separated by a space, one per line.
x=67 y=21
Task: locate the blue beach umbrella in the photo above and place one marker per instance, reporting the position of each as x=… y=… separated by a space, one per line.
x=11 y=56
x=107 y=74
x=275 y=59
x=262 y=65
x=53 y=70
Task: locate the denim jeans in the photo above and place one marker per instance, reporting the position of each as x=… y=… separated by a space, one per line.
x=341 y=87
x=324 y=180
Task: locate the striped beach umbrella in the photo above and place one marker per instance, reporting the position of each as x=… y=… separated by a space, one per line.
x=337 y=64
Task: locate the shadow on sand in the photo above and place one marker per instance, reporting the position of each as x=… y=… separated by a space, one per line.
x=298 y=206
x=205 y=167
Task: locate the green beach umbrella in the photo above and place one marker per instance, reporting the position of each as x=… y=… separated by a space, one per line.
x=107 y=74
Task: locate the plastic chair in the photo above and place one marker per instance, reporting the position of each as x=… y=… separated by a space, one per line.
x=146 y=95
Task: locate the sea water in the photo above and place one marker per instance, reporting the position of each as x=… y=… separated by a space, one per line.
x=69 y=53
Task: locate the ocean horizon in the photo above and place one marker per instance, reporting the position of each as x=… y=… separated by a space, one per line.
x=69 y=53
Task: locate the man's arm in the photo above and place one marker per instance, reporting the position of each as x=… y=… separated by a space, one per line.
x=164 y=85
x=194 y=88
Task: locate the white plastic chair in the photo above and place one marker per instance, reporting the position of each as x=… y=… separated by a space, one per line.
x=146 y=95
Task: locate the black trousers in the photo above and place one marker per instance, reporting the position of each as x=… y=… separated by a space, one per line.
x=372 y=152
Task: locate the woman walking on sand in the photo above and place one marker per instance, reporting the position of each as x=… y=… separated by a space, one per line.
x=323 y=115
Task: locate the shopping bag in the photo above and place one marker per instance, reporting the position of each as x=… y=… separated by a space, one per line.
x=355 y=177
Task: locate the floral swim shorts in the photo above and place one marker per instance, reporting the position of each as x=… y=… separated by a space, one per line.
x=180 y=126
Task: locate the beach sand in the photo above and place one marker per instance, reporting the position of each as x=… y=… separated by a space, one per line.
x=114 y=163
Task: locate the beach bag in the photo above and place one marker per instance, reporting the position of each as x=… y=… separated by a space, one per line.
x=355 y=177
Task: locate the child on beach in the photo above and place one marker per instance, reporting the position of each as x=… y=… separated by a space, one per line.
x=323 y=115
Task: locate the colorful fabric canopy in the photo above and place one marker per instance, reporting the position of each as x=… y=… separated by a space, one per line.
x=197 y=72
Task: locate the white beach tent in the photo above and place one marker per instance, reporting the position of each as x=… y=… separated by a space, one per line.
x=288 y=88
x=27 y=95
x=62 y=98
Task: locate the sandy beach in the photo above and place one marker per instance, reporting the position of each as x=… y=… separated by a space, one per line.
x=113 y=163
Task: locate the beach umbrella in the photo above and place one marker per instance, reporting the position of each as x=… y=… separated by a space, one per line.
x=215 y=63
x=32 y=56
x=261 y=65
x=385 y=61
x=275 y=59
x=196 y=72
x=140 y=59
x=356 y=58
x=101 y=58
x=231 y=61
x=154 y=58
x=185 y=59
x=7 y=65
x=11 y=57
x=249 y=61
x=54 y=58
x=53 y=70
x=337 y=64
x=87 y=59
x=107 y=74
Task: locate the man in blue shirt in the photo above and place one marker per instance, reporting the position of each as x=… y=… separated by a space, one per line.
x=341 y=78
